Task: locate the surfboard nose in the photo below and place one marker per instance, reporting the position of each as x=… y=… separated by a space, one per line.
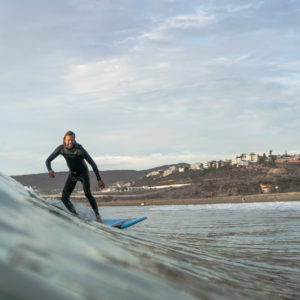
x=123 y=223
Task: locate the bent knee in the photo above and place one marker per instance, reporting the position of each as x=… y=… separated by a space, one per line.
x=89 y=195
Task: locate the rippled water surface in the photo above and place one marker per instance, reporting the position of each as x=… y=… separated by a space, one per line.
x=228 y=251
x=250 y=247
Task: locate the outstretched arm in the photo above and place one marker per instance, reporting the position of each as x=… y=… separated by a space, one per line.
x=52 y=156
x=95 y=168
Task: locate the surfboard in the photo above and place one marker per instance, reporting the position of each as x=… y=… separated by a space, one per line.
x=122 y=223
x=118 y=223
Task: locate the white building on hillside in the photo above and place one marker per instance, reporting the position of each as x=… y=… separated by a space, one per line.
x=170 y=171
x=196 y=166
x=254 y=158
x=245 y=159
x=153 y=173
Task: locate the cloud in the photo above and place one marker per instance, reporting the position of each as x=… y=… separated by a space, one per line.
x=197 y=20
x=137 y=79
x=238 y=8
x=108 y=79
x=163 y=30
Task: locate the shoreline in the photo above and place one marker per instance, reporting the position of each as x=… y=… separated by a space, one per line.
x=276 y=197
x=135 y=200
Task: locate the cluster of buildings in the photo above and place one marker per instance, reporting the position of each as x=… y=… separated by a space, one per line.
x=247 y=159
x=243 y=160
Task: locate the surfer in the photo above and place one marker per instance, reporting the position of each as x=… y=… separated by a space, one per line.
x=75 y=155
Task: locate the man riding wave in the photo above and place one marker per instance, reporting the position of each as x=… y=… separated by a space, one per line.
x=75 y=156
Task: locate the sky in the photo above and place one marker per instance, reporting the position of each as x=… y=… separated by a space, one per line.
x=147 y=83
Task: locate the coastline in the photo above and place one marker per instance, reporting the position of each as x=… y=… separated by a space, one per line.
x=139 y=200
x=276 y=197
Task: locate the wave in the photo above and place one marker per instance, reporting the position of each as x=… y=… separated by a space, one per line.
x=46 y=252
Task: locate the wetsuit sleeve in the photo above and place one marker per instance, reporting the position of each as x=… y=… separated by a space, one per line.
x=52 y=156
x=92 y=163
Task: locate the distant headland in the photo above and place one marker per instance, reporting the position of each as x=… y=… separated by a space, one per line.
x=248 y=177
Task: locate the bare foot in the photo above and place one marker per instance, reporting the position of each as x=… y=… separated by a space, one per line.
x=98 y=219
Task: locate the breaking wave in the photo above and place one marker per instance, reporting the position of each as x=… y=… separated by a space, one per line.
x=179 y=252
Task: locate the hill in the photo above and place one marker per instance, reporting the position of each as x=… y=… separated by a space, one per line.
x=43 y=184
x=226 y=181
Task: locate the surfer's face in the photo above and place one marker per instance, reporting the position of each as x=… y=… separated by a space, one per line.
x=70 y=141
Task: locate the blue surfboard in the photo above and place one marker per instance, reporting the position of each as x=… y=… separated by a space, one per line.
x=122 y=223
x=118 y=223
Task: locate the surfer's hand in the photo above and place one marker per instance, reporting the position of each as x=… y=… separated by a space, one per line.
x=51 y=174
x=98 y=219
x=101 y=184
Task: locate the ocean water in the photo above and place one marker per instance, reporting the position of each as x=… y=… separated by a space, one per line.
x=221 y=251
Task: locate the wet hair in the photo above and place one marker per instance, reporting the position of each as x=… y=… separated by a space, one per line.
x=68 y=133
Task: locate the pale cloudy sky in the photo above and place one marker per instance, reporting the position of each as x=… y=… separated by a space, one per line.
x=145 y=83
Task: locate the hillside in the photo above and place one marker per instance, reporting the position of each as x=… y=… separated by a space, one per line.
x=45 y=185
x=227 y=181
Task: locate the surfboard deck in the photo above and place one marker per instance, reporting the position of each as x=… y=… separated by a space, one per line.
x=122 y=223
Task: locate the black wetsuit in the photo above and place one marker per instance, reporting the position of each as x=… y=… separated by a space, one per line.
x=78 y=171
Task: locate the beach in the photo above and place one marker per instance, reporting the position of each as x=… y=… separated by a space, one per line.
x=282 y=197
x=124 y=199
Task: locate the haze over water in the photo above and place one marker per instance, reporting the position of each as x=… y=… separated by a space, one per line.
x=221 y=251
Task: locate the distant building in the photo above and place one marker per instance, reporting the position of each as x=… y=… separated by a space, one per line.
x=210 y=164
x=236 y=161
x=288 y=161
x=170 y=171
x=243 y=163
x=154 y=173
x=254 y=158
x=224 y=163
x=196 y=166
x=206 y=165
x=293 y=161
x=182 y=169
x=245 y=159
x=268 y=188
